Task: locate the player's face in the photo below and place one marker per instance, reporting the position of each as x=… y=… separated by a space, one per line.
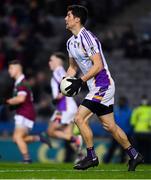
x=52 y=62
x=13 y=70
x=70 y=20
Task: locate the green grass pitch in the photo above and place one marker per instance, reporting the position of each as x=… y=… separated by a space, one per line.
x=66 y=171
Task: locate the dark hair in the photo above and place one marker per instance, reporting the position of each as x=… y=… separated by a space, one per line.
x=79 y=11
x=15 y=61
x=59 y=55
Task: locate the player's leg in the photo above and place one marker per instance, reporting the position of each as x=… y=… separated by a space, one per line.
x=81 y=119
x=56 y=130
x=31 y=138
x=54 y=124
x=18 y=137
x=68 y=129
x=61 y=125
x=75 y=140
x=109 y=124
x=90 y=105
x=22 y=127
x=119 y=135
x=61 y=130
x=37 y=138
x=68 y=118
x=66 y=132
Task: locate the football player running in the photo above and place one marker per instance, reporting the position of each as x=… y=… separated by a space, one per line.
x=86 y=53
x=22 y=102
x=62 y=121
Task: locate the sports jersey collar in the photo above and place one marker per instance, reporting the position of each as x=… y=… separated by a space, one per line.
x=21 y=77
x=57 y=69
x=79 y=33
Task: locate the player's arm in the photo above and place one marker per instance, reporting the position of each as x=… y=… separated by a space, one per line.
x=72 y=69
x=55 y=92
x=19 y=99
x=95 y=69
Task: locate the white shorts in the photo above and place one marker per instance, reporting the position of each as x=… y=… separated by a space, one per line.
x=22 y=122
x=105 y=97
x=64 y=117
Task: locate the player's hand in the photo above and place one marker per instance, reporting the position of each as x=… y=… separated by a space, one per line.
x=75 y=86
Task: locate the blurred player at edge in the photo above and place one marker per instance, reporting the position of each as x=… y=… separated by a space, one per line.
x=86 y=53
x=22 y=101
x=61 y=122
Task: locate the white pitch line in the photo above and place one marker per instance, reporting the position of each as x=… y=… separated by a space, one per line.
x=69 y=170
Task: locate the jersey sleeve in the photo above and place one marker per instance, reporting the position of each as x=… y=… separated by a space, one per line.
x=90 y=43
x=22 y=90
x=54 y=87
x=55 y=81
x=59 y=74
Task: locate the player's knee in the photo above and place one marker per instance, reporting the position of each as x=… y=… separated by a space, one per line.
x=17 y=138
x=78 y=119
x=111 y=127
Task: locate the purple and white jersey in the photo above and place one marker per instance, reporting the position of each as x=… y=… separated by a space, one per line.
x=81 y=48
x=65 y=103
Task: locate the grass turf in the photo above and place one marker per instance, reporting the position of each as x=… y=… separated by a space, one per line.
x=65 y=171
